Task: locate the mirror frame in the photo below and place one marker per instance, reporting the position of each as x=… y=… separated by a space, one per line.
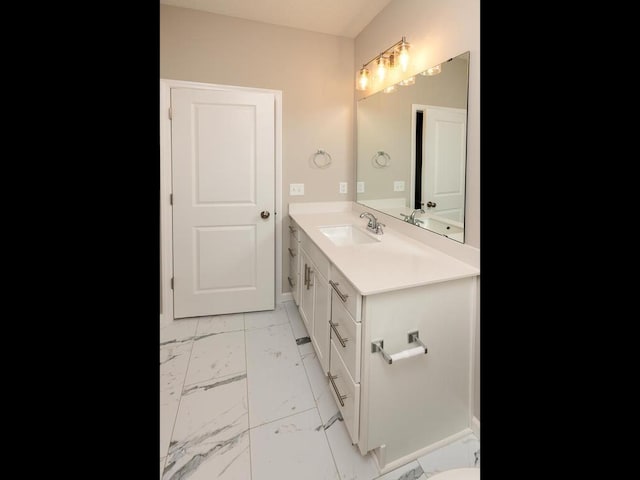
x=431 y=221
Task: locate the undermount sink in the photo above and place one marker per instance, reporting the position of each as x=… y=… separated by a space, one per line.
x=342 y=235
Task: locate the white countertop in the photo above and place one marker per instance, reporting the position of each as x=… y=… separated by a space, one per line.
x=396 y=262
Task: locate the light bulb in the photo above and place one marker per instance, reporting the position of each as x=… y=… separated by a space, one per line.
x=382 y=69
x=403 y=55
x=363 y=79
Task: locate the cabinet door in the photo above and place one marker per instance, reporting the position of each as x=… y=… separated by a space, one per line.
x=306 y=290
x=421 y=400
x=321 y=312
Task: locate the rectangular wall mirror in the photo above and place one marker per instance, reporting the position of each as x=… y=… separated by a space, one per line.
x=412 y=148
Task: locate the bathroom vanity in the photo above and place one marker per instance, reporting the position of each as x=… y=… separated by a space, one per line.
x=392 y=322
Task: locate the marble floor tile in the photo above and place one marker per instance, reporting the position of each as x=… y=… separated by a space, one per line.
x=174 y=360
x=319 y=383
x=211 y=437
x=216 y=355
x=220 y=324
x=267 y=318
x=351 y=464
x=473 y=447
x=278 y=384
x=299 y=330
x=410 y=471
x=162 y=466
x=292 y=448
x=457 y=454
x=178 y=331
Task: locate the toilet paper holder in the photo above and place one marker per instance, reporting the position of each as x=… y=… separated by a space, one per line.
x=412 y=337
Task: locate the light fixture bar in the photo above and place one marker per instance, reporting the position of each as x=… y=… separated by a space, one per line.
x=390 y=54
x=403 y=40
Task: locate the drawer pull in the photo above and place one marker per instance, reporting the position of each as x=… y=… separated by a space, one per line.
x=292 y=284
x=343 y=296
x=292 y=230
x=306 y=275
x=378 y=345
x=331 y=379
x=291 y=252
x=340 y=339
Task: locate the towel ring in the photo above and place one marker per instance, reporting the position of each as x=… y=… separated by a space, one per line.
x=325 y=155
x=381 y=159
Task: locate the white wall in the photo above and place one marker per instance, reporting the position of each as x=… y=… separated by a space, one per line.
x=437 y=30
x=313 y=70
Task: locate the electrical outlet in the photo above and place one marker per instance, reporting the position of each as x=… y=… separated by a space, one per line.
x=343 y=187
x=398 y=186
x=296 y=189
x=360 y=187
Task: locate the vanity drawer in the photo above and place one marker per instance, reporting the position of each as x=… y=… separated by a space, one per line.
x=293 y=272
x=348 y=295
x=293 y=230
x=344 y=327
x=315 y=254
x=340 y=383
x=293 y=247
x=294 y=255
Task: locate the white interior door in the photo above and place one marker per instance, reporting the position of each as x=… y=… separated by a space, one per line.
x=223 y=172
x=445 y=145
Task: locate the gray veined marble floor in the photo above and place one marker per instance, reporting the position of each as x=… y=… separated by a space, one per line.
x=243 y=397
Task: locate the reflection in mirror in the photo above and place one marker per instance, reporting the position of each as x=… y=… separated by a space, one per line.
x=411 y=149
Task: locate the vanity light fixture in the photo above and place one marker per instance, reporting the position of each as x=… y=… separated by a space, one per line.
x=398 y=53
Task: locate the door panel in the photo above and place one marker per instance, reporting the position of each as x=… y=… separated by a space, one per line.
x=237 y=269
x=223 y=165
x=232 y=180
x=445 y=149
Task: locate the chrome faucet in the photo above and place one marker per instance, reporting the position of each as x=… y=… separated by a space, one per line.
x=373 y=225
x=412 y=218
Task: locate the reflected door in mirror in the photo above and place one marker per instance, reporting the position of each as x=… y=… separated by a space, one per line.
x=441 y=137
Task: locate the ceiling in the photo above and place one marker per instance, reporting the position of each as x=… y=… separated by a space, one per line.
x=345 y=18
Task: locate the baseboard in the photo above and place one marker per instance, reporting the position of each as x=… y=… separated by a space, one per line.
x=285 y=297
x=384 y=467
x=475 y=426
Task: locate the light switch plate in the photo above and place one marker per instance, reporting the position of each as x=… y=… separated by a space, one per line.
x=343 y=187
x=398 y=186
x=296 y=189
x=360 y=187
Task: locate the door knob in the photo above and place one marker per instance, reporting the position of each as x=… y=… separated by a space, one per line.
x=264 y=214
x=431 y=204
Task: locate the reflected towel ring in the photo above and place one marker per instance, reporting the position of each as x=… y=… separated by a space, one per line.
x=381 y=159
x=325 y=155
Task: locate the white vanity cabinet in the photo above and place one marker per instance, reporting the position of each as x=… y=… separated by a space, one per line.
x=294 y=272
x=414 y=401
x=315 y=301
x=393 y=326
x=417 y=401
